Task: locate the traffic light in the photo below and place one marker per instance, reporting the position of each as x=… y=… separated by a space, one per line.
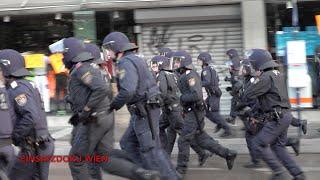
x=318 y=22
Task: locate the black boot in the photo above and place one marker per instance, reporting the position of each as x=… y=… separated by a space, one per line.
x=231 y=120
x=304 y=126
x=203 y=159
x=144 y=174
x=217 y=129
x=231 y=156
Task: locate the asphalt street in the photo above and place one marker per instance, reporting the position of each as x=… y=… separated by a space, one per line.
x=215 y=167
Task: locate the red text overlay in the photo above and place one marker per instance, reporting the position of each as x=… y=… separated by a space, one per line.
x=64 y=159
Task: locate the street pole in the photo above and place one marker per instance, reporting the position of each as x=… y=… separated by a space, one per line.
x=299 y=110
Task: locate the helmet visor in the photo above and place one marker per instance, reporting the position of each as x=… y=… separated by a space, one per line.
x=176 y=61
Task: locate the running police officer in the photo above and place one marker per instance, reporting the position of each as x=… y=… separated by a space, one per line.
x=7 y=116
x=210 y=81
x=191 y=100
x=234 y=72
x=269 y=88
x=138 y=89
x=93 y=123
x=171 y=117
x=30 y=131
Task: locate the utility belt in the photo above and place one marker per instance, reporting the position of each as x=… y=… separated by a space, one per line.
x=199 y=106
x=5 y=142
x=276 y=113
x=140 y=108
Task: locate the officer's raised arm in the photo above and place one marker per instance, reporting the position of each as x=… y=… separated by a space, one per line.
x=127 y=84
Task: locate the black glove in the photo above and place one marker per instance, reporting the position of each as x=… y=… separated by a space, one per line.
x=67 y=99
x=74 y=119
x=84 y=115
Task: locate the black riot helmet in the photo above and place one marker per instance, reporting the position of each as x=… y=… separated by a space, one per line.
x=261 y=59
x=184 y=59
x=205 y=58
x=118 y=42
x=162 y=62
x=12 y=63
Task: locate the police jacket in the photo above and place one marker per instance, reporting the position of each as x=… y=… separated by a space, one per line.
x=167 y=82
x=6 y=114
x=270 y=89
x=135 y=81
x=30 y=117
x=210 y=81
x=190 y=87
x=88 y=87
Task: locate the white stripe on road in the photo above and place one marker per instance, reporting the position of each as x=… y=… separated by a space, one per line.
x=62 y=133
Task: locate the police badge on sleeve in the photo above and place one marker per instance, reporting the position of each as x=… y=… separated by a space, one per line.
x=21 y=99
x=87 y=78
x=192 y=81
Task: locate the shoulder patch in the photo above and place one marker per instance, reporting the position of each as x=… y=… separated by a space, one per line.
x=121 y=73
x=252 y=79
x=204 y=73
x=276 y=72
x=192 y=81
x=14 y=84
x=21 y=99
x=87 y=78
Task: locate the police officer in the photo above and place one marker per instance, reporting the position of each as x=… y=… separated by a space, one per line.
x=269 y=88
x=90 y=98
x=191 y=100
x=234 y=72
x=30 y=131
x=210 y=81
x=171 y=120
x=7 y=116
x=138 y=89
x=252 y=118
